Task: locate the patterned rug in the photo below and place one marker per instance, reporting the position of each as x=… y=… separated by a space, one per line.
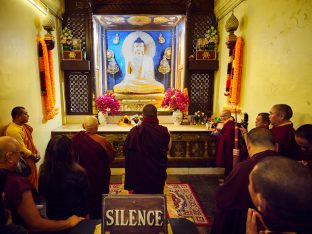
x=182 y=202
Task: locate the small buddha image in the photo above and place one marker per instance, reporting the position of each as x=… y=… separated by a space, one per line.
x=138 y=50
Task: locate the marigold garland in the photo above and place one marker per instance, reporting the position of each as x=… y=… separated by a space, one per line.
x=46 y=65
x=234 y=73
x=237 y=71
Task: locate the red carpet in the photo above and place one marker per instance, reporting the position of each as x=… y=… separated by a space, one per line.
x=182 y=202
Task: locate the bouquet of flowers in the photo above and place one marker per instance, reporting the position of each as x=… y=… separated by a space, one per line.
x=200 y=118
x=108 y=103
x=66 y=38
x=175 y=100
x=211 y=38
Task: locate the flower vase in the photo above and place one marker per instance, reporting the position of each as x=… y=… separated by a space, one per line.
x=177 y=116
x=102 y=118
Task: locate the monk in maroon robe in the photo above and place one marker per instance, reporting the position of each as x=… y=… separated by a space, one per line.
x=281 y=190
x=94 y=154
x=232 y=198
x=225 y=143
x=145 y=151
x=283 y=130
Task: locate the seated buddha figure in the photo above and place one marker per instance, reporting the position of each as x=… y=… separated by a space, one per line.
x=138 y=50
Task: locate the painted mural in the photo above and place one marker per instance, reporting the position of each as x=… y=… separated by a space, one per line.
x=133 y=68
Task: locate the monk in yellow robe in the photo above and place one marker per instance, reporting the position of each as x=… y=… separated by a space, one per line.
x=22 y=132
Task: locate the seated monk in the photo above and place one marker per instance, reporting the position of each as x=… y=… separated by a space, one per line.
x=95 y=154
x=20 y=195
x=139 y=50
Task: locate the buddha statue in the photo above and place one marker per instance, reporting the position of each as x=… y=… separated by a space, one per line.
x=138 y=50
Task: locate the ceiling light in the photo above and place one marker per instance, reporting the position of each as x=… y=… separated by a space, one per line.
x=39 y=5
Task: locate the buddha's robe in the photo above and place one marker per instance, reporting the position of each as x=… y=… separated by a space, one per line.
x=145 y=151
x=233 y=199
x=284 y=136
x=140 y=77
x=94 y=157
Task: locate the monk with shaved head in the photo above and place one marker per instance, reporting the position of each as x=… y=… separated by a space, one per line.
x=21 y=196
x=225 y=143
x=232 y=198
x=95 y=154
x=281 y=190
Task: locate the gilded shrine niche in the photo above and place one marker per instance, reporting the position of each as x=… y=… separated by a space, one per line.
x=138 y=57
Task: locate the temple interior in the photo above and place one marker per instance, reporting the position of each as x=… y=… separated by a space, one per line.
x=104 y=57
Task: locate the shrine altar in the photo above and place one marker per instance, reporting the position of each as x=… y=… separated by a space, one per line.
x=192 y=145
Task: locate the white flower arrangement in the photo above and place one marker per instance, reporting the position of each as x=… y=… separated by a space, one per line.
x=212 y=35
x=200 y=118
x=66 y=37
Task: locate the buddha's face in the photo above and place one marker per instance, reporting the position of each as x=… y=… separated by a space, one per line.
x=138 y=49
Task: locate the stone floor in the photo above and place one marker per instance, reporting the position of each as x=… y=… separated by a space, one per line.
x=204 y=185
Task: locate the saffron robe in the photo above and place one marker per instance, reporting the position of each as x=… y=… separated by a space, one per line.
x=94 y=158
x=233 y=199
x=145 y=151
x=23 y=134
x=285 y=138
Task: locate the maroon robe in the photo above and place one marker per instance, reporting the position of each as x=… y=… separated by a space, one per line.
x=233 y=199
x=94 y=159
x=284 y=136
x=14 y=188
x=145 y=151
x=225 y=146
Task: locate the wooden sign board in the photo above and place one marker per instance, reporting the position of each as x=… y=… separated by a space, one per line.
x=136 y=213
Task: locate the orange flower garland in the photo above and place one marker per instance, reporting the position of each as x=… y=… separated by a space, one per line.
x=237 y=71
x=46 y=65
x=234 y=73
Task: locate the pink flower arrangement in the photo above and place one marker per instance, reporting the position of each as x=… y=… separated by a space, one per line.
x=175 y=100
x=107 y=103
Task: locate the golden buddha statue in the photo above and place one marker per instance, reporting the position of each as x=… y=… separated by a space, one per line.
x=138 y=50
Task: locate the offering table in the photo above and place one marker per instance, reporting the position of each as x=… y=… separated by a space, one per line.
x=192 y=145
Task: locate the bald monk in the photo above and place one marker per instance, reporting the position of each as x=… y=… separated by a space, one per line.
x=20 y=195
x=95 y=154
x=145 y=151
x=281 y=190
x=283 y=130
x=232 y=198
x=225 y=143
